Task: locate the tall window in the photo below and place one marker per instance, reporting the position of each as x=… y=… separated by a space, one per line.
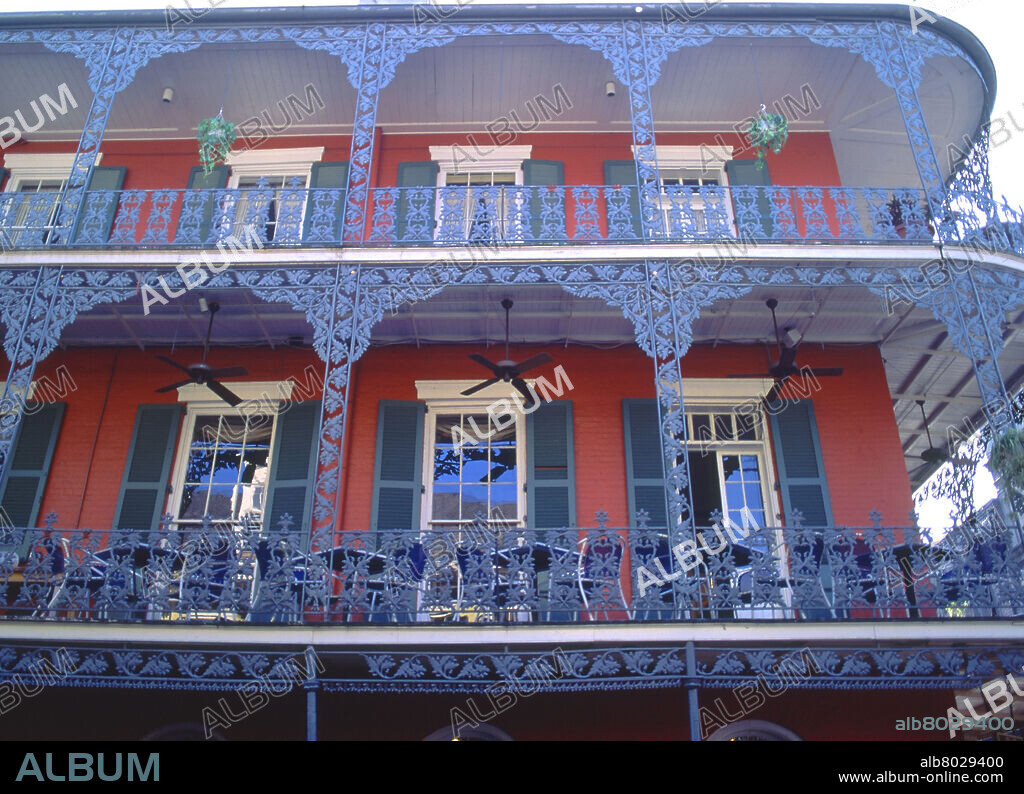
x=480 y=199
x=28 y=205
x=225 y=469
x=470 y=480
x=690 y=205
x=465 y=480
x=728 y=465
x=283 y=211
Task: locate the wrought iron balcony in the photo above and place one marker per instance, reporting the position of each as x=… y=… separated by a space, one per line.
x=241 y=573
x=517 y=215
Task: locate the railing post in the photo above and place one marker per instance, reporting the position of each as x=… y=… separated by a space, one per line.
x=692 y=692
x=311 y=685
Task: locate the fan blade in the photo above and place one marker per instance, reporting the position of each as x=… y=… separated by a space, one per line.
x=530 y=363
x=479 y=386
x=773 y=393
x=225 y=394
x=821 y=372
x=174 y=363
x=524 y=390
x=787 y=357
x=227 y=372
x=175 y=385
x=481 y=360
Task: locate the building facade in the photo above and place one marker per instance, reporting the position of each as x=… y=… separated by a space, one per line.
x=493 y=383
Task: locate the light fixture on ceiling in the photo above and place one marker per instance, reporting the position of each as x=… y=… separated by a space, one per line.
x=168 y=94
x=609 y=88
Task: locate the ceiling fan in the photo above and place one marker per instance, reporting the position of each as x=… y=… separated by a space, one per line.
x=202 y=374
x=930 y=455
x=507 y=370
x=786 y=367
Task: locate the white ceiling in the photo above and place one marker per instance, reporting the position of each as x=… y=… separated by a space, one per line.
x=474 y=82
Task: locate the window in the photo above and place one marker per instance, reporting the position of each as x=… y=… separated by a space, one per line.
x=223 y=463
x=30 y=217
x=479 y=198
x=462 y=479
x=279 y=210
x=227 y=465
x=693 y=203
x=728 y=465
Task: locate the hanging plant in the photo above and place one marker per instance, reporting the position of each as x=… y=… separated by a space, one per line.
x=215 y=138
x=768 y=131
x=1006 y=458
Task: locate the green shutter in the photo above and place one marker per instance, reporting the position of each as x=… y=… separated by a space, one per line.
x=746 y=172
x=198 y=179
x=293 y=466
x=422 y=174
x=550 y=467
x=623 y=172
x=103 y=178
x=148 y=468
x=645 y=476
x=541 y=172
x=398 y=466
x=327 y=176
x=3 y=176
x=31 y=456
x=799 y=463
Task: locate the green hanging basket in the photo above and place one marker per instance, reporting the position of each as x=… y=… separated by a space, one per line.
x=1006 y=458
x=215 y=138
x=768 y=131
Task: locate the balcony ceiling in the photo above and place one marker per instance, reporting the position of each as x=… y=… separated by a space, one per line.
x=919 y=361
x=475 y=82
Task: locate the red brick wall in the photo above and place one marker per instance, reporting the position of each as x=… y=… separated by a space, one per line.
x=858 y=433
x=856 y=426
x=131 y=380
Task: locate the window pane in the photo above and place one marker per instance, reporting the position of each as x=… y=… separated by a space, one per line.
x=199 y=466
x=446 y=502
x=731 y=468
x=446 y=464
x=503 y=464
x=746 y=425
x=475 y=466
x=221 y=501
x=225 y=470
x=503 y=502
x=707 y=494
x=702 y=427
x=474 y=500
x=723 y=427
x=193 y=500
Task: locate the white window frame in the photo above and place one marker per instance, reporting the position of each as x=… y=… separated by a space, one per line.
x=254 y=163
x=709 y=160
x=499 y=158
x=258 y=397
x=445 y=396
x=724 y=395
x=34 y=167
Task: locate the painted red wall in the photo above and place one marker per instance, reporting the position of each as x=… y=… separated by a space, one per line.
x=111 y=384
x=856 y=426
x=859 y=438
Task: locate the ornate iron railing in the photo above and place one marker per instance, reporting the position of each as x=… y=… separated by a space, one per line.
x=480 y=574
x=512 y=215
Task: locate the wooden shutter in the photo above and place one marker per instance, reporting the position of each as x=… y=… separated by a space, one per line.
x=623 y=172
x=423 y=174
x=746 y=172
x=103 y=178
x=31 y=456
x=398 y=466
x=326 y=176
x=645 y=476
x=799 y=463
x=541 y=172
x=551 y=470
x=148 y=468
x=198 y=179
x=293 y=466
